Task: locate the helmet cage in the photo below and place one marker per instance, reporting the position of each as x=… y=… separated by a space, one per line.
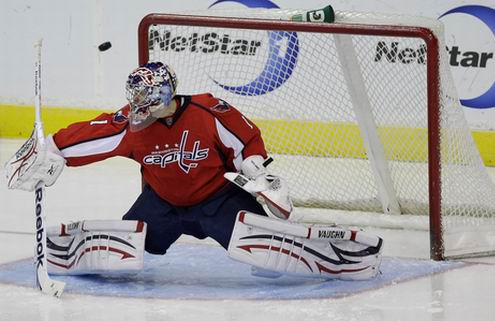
x=151 y=85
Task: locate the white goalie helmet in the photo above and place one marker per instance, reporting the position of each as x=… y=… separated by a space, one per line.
x=149 y=89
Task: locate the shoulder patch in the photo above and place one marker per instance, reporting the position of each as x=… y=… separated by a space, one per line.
x=120 y=116
x=221 y=107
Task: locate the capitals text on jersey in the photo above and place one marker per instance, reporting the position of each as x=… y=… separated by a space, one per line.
x=178 y=155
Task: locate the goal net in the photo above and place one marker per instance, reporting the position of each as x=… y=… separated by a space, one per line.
x=360 y=114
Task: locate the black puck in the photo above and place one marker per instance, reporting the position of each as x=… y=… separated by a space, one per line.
x=105 y=46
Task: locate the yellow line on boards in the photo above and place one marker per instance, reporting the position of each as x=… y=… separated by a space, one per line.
x=17 y=121
x=485 y=141
x=295 y=137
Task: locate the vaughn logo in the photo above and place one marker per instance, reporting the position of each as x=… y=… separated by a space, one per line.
x=330 y=234
x=178 y=154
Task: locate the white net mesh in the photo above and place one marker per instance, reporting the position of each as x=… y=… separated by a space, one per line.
x=302 y=90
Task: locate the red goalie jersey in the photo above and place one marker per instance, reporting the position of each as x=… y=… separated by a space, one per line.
x=183 y=157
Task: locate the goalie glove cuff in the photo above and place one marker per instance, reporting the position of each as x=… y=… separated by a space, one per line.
x=52 y=168
x=54 y=162
x=51 y=146
x=252 y=167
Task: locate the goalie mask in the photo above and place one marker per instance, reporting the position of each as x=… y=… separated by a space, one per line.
x=149 y=90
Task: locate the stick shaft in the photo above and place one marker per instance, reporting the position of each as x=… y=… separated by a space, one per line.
x=37 y=81
x=43 y=281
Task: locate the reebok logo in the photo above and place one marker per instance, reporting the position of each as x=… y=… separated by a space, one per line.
x=40 y=251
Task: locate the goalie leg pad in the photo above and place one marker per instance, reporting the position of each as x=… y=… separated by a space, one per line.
x=96 y=247
x=285 y=253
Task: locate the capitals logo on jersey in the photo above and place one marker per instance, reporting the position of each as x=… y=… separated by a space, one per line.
x=120 y=116
x=178 y=154
x=221 y=107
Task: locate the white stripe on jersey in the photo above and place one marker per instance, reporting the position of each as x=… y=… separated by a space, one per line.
x=231 y=141
x=94 y=147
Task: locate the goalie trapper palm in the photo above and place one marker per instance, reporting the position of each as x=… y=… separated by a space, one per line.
x=32 y=163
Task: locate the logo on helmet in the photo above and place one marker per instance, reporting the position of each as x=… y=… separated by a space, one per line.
x=145 y=76
x=147 y=84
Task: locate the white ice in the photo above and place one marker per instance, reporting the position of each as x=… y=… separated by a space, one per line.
x=107 y=189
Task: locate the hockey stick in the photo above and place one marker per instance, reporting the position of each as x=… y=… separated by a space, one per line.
x=315 y=232
x=43 y=281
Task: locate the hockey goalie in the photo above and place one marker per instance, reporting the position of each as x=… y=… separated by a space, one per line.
x=204 y=167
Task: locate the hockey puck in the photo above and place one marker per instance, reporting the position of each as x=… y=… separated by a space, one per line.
x=105 y=46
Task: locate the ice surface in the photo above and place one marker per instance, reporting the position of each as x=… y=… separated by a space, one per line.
x=194 y=271
x=106 y=190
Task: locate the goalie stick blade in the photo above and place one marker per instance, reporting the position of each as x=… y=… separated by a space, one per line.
x=54 y=288
x=47 y=285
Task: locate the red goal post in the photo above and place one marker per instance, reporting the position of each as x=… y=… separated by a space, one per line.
x=433 y=90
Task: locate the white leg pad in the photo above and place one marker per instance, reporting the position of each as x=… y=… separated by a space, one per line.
x=282 y=252
x=96 y=247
